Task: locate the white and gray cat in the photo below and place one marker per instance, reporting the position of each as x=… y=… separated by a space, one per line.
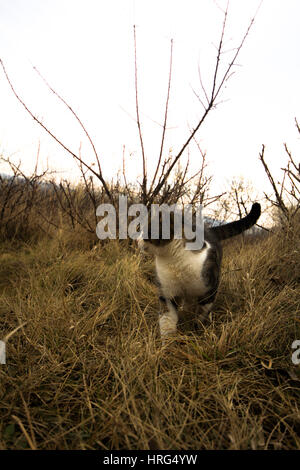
x=191 y=274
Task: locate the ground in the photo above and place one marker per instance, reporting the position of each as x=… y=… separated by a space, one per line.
x=86 y=368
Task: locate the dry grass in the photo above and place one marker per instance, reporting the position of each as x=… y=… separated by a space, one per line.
x=86 y=369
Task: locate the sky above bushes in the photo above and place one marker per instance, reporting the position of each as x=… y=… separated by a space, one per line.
x=85 y=51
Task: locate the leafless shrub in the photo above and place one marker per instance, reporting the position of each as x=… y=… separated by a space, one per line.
x=20 y=195
x=160 y=187
x=170 y=182
x=239 y=197
x=286 y=193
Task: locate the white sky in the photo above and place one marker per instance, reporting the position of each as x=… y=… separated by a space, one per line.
x=85 y=51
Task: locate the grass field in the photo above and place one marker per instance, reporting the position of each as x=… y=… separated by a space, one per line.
x=86 y=370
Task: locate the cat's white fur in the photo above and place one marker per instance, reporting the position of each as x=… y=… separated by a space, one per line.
x=179 y=270
x=179 y=274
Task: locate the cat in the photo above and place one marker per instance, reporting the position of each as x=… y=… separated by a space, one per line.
x=191 y=275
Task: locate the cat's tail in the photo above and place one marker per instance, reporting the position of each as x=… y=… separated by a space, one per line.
x=234 y=228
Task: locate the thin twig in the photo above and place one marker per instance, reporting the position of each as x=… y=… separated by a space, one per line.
x=74 y=114
x=144 y=184
x=98 y=175
x=165 y=119
x=216 y=88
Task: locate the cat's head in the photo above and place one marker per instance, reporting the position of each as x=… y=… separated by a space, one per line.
x=158 y=231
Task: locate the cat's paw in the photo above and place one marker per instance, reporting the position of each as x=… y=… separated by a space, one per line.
x=167 y=325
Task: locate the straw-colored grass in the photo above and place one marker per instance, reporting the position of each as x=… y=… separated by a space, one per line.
x=86 y=369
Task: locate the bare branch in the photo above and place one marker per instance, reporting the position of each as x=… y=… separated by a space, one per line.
x=202 y=85
x=165 y=119
x=215 y=91
x=98 y=175
x=74 y=114
x=144 y=184
x=279 y=199
x=219 y=55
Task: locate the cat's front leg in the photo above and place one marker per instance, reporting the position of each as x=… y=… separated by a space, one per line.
x=168 y=319
x=204 y=307
x=203 y=311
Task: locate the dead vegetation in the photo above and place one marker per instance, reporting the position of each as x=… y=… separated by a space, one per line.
x=85 y=367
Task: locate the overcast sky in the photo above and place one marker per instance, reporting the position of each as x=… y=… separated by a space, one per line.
x=85 y=51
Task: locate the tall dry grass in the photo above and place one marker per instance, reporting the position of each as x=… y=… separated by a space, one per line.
x=86 y=369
